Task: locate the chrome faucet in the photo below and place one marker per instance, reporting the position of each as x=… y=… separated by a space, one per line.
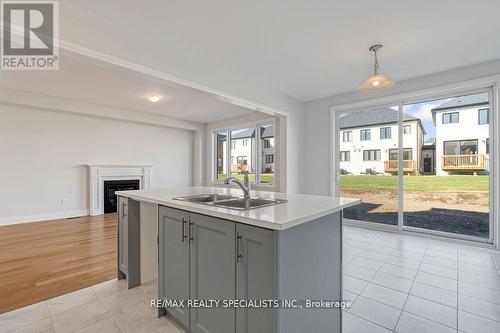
x=245 y=185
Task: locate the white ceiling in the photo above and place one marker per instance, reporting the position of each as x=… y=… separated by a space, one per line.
x=95 y=83
x=313 y=49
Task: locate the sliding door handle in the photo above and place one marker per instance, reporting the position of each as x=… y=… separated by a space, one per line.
x=123 y=210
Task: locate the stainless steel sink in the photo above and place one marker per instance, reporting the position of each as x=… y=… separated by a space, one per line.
x=229 y=201
x=245 y=204
x=205 y=198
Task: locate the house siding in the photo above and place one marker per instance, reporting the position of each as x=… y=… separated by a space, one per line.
x=467 y=128
x=357 y=165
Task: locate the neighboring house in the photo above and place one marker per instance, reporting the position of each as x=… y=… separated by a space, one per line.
x=369 y=142
x=462 y=135
x=242 y=146
x=268 y=148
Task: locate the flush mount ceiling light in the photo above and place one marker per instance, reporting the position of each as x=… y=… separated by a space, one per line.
x=154 y=98
x=377 y=81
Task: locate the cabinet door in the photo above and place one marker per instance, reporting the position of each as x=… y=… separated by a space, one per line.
x=173 y=270
x=213 y=260
x=255 y=277
x=122 y=236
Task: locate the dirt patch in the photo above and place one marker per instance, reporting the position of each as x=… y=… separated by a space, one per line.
x=417 y=201
x=457 y=212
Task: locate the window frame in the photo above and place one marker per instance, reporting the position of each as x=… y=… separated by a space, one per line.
x=260 y=158
x=460 y=146
x=375 y=155
x=487 y=116
x=450 y=114
x=349 y=136
x=385 y=130
x=345 y=153
x=368 y=130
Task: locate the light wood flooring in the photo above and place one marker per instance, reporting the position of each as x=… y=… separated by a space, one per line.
x=41 y=260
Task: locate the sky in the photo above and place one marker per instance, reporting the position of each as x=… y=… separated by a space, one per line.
x=423 y=111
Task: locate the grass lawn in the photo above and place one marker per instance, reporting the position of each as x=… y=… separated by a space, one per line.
x=418 y=183
x=264 y=177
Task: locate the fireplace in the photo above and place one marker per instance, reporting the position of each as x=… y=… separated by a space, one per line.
x=112 y=186
x=98 y=174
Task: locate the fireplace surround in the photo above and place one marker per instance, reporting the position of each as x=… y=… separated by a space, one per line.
x=100 y=173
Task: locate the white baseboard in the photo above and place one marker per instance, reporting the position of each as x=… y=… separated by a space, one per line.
x=43 y=217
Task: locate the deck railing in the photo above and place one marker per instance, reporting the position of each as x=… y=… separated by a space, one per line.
x=471 y=162
x=409 y=166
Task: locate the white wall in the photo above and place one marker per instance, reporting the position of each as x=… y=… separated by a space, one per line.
x=186 y=62
x=317 y=120
x=44 y=153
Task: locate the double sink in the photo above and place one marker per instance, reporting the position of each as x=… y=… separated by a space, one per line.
x=229 y=201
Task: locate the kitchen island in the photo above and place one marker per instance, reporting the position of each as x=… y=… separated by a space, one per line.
x=290 y=251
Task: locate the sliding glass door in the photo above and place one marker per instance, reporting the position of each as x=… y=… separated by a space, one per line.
x=368 y=139
x=450 y=192
x=422 y=166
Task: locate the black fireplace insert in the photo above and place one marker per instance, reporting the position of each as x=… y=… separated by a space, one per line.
x=112 y=186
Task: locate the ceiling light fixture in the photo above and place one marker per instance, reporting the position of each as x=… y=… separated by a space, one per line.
x=154 y=98
x=377 y=81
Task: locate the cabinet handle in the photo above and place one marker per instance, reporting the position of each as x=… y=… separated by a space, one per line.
x=191 y=231
x=238 y=255
x=183 y=229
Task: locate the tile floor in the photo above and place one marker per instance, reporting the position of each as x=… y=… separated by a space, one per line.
x=397 y=284
x=412 y=284
x=108 y=307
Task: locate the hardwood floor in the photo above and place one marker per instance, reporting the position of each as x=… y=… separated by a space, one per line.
x=41 y=260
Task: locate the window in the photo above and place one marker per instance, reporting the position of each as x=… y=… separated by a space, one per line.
x=407 y=129
x=242 y=157
x=385 y=132
x=450 y=118
x=220 y=155
x=407 y=154
x=466 y=147
x=266 y=134
x=249 y=149
x=347 y=136
x=345 y=156
x=371 y=155
x=364 y=134
x=483 y=116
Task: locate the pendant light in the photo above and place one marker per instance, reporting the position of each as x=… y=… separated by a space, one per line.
x=377 y=81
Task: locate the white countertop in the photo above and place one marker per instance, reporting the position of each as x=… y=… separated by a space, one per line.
x=298 y=209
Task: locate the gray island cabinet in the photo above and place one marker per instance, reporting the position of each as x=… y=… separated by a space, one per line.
x=207 y=258
x=291 y=251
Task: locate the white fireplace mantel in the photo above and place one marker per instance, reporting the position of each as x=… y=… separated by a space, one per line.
x=99 y=173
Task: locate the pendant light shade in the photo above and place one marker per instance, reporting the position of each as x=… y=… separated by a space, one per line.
x=377 y=81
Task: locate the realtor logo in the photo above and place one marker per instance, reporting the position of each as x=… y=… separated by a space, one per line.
x=29 y=35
